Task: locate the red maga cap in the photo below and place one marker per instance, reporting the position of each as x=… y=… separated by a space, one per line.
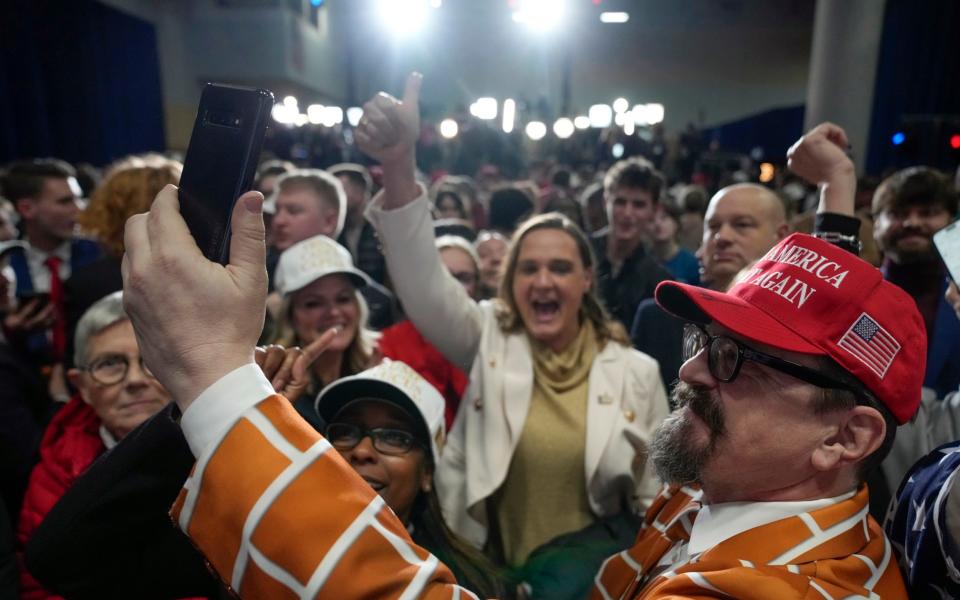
x=809 y=296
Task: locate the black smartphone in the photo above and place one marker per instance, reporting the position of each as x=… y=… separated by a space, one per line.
x=221 y=162
x=25 y=298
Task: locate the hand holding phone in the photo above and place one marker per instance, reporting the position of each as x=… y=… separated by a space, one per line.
x=221 y=162
x=947 y=241
x=33 y=312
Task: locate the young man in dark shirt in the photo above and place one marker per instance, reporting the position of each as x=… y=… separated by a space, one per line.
x=626 y=272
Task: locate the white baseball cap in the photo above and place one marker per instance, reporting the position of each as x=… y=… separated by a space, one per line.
x=305 y=262
x=396 y=383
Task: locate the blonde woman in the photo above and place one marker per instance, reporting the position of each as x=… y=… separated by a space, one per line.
x=553 y=430
x=319 y=286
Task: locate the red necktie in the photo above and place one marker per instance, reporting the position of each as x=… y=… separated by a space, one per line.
x=56 y=298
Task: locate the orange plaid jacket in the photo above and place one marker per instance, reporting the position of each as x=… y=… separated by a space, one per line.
x=279 y=514
x=833 y=552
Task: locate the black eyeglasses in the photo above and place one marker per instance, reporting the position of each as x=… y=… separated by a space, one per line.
x=725 y=357
x=112 y=369
x=393 y=442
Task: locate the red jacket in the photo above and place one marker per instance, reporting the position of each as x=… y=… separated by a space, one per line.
x=404 y=343
x=70 y=444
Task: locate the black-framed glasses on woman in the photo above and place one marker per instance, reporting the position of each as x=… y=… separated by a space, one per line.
x=725 y=357
x=113 y=368
x=393 y=442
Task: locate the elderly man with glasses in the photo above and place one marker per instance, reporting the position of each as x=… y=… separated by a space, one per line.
x=115 y=394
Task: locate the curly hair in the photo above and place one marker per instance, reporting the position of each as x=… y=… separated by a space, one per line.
x=128 y=188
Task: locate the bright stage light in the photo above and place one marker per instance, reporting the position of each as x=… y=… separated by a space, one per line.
x=614 y=17
x=655 y=113
x=601 y=115
x=629 y=127
x=283 y=113
x=449 y=128
x=290 y=101
x=647 y=114
x=354 y=113
x=617 y=150
x=536 y=130
x=509 y=114
x=540 y=15
x=563 y=128
x=331 y=115
x=581 y=122
x=300 y=120
x=620 y=105
x=315 y=113
x=403 y=17
x=484 y=108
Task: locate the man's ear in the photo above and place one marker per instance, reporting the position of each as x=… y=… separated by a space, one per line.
x=26 y=207
x=858 y=433
x=331 y=223
x=783 y=230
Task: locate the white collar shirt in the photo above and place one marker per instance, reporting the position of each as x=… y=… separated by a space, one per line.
x=39 y=272
x=716 y=523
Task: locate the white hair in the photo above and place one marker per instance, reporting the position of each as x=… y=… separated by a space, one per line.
x=105 y=312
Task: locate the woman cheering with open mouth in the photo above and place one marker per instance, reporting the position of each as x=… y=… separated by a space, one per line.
x=553 y=430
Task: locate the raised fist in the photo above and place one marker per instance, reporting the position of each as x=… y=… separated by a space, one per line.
x=389 y=128
x=820 y=155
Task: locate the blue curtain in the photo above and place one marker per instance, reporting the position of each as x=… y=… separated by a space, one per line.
x=78 y=80
x=917 y=85
x=774 y=131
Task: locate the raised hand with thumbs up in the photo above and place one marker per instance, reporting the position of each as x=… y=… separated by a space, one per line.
x=388 y=132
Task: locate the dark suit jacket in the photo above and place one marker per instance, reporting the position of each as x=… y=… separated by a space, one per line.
x=659 y=334
x=25 y=409
x=110 y=535
x=88 y=284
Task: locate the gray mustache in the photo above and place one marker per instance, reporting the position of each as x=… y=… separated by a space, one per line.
x=699 y=401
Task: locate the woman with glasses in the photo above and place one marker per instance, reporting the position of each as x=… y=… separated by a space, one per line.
x=115 y=394
x=387 y=423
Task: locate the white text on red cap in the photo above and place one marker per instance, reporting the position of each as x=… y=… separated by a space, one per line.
x=792 y=289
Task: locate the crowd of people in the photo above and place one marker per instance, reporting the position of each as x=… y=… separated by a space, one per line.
x=600 y=383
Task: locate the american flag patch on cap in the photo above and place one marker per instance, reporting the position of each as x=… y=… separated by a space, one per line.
x=870 y=343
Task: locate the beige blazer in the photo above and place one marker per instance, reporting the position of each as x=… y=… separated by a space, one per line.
x=625 y=404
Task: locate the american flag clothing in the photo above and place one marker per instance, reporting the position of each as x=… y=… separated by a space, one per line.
x=927 y=550
x=871 y=344
x=279 y=514
x=834 y=552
